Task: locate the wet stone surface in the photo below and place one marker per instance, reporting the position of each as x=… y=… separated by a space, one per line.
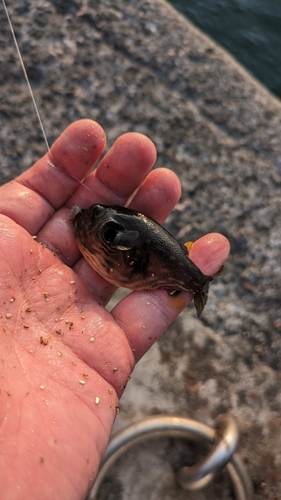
x=142 y=67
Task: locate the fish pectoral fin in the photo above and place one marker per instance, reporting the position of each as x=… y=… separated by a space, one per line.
x=125 y=240
x=117 y=236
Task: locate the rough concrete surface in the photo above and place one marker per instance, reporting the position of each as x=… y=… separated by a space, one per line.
x=138 y=65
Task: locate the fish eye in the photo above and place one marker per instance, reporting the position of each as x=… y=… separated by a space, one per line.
x=110 y=230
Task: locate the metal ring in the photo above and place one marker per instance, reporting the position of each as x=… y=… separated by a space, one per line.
x=223 y=441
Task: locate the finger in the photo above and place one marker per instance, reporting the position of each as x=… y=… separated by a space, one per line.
x=119 y=174
x=158 y=194
x=145 y=315
x=32 y=198
x=210 y=252
x=57 y=235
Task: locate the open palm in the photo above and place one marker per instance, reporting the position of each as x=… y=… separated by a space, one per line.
x=65 y=360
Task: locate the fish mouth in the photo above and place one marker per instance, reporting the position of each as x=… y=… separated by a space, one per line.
x=75 y=210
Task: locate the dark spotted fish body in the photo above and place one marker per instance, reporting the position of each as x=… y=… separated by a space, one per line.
x=131 y=250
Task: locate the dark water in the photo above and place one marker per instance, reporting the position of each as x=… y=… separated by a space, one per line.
x=249 y=29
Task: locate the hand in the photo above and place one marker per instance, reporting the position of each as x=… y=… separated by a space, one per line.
x=65 y=360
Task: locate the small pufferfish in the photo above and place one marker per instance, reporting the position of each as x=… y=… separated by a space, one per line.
x=131 y=250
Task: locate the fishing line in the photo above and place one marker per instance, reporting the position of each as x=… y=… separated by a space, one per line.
x=25 y=74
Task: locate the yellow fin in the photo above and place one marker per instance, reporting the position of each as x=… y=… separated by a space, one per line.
x=188 y=245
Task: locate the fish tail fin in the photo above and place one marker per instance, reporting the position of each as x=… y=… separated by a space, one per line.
x=200 y=298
